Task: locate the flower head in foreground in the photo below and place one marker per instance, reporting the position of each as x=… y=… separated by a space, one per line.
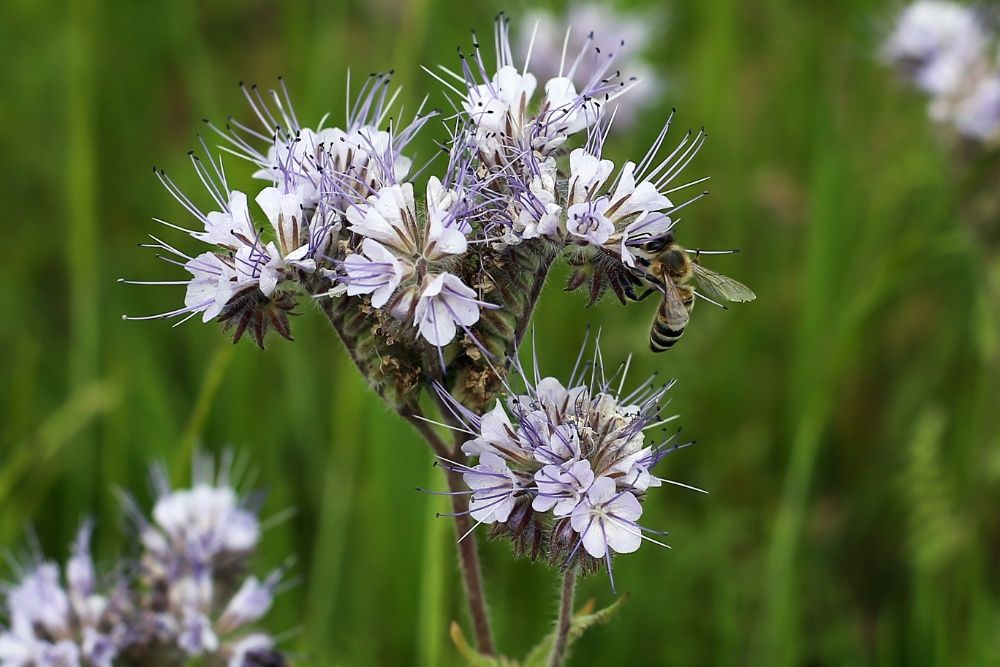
x=435 y=280
x=64 y=619
x=947 y=50
x=249 y=277
x=562 y=469
x=199 y=600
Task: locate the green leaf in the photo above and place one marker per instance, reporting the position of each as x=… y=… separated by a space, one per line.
x=583 y=620
x=473 y=657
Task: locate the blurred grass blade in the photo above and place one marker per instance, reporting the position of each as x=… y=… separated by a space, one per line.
x=210 y=384
x=342 y=459
x=55 y=433
x=82 y=252
x=435 y=570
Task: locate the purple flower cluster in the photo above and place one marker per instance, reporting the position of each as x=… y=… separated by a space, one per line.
x=64 y=621
x=346 y=221
x=187 y=597
x=561 y=468
x=196 y=546
x=950 y=53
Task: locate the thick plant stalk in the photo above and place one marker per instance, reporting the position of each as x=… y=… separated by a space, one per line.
x=468 y=556
x=558 y=654
x=514 y=283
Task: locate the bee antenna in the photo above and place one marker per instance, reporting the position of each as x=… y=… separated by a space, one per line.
x=711 y=301
x=701 y=251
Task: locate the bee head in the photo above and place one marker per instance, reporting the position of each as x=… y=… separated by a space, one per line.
x=655 y=246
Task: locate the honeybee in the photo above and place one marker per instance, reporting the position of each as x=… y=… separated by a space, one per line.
x=671 y=269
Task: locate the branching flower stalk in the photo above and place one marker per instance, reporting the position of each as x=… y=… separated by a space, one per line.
x=431 y=287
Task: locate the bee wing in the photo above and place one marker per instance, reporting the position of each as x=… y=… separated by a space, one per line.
x=673 y=305
x=718 y=286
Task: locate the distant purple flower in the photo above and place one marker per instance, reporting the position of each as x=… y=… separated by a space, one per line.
x=63 y=625
x=937 y=41
x=553 y=40
x=949 y=52
x=195 y=551
x=977 y=115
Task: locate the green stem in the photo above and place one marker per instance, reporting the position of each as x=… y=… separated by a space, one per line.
x=533 y=296
x=468 y=559
x=468 y=553
x=558 y=655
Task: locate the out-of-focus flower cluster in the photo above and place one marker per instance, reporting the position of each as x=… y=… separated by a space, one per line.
x=950 y=52
x=630 y=32
x=64 y=619
x=561 y=468
x=187 y=597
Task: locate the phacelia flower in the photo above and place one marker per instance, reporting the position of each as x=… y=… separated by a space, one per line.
x=374 y=270
x=445 y=304
x=605 y=519
x=937 y=41
x=196 y=547
x=333 y=167
x=562 y=467
x=68 y=621
x=240 y=281
x=508 y=124
x=405 y=265
x=948 y=51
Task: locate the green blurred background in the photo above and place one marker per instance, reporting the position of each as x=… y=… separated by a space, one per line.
x=847 y=420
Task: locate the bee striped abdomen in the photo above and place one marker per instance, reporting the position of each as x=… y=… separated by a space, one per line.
x=662 y=336
x=668 y=327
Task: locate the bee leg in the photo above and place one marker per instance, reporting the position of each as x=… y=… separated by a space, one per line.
x=645 y=295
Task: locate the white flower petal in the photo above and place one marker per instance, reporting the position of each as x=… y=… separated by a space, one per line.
x=587 y=174
x=621 y=538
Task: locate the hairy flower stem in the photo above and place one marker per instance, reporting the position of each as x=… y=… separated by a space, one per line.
x=536 y=291
x=468 y=558
x=468 y=553
x=565 y=618
x=336 y=315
